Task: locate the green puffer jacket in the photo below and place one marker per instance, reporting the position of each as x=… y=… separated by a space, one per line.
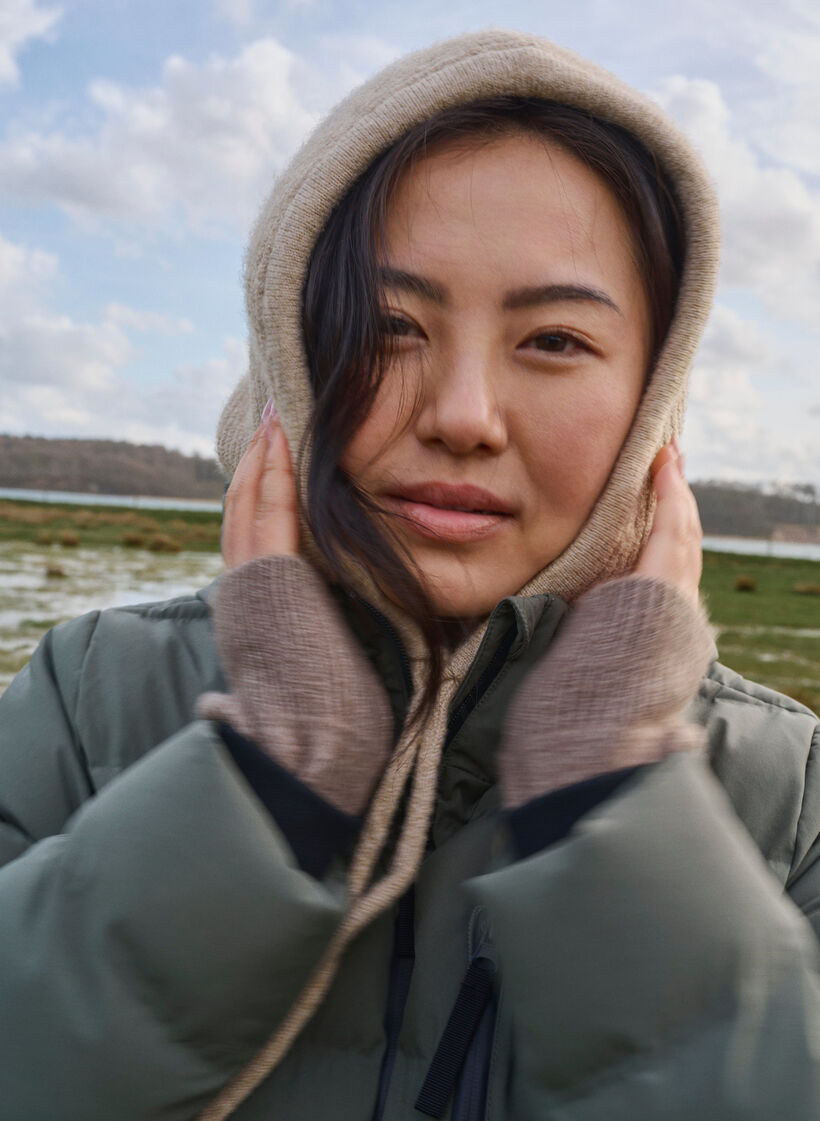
x=659 y=962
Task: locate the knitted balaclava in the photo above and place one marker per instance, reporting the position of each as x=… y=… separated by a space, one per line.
x=368 y=121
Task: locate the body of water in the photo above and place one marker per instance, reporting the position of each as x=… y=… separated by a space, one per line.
x=32 y=600
x=758 y=547
x=135 y=501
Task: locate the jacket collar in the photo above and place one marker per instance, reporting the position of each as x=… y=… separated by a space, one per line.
x=516 y=625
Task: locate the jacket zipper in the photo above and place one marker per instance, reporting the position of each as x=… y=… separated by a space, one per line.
x=491 y=671
x=401 y=969
x=401 y=974
x=470 y=1097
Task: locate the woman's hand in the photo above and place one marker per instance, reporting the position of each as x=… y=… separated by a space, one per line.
x=673 y=549
x=611 y=689
x=302 y=688
x=260 y=518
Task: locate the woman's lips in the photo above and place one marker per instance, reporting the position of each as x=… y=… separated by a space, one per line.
x=445 y=512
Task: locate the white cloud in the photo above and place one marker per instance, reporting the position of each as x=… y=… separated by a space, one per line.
x=41 y=348
x=241 y=13
x=781 y=113
x=50 y=349
x=350 y=59
x=25 y=275
x=21 y=21
x=194 y=394
x=770 y=215
x=147 y=320
x=200 y=147
x=62 y=377
x=245 y=14
x=744 y=419
x=179 y=413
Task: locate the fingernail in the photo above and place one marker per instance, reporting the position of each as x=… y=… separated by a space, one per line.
x=269 y=411
x=680 y=458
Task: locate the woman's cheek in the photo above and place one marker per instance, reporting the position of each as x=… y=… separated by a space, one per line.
x=382 y=427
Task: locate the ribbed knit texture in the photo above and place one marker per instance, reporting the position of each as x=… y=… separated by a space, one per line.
x=363 y=125
x=610 y=690
x=302 y=689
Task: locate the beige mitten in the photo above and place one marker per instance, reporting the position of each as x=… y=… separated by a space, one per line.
x=610 y=691
x=303 y=690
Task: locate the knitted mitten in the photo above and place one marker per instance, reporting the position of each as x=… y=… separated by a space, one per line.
x=303 y=690
x=610 y=691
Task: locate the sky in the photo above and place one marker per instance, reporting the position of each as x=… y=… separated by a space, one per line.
x=138 y=139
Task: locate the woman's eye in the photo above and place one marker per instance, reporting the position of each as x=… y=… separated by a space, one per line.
x=397 y=326
x=554 y=342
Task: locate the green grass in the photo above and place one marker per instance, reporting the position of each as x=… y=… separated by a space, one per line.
x=773 y=603
x=38 y=523
x=771 y=634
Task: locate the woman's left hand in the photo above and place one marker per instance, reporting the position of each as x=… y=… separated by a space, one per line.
x=673 y=549
x=610 y=690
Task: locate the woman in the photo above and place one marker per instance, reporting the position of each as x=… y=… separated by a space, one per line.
x=439 y=842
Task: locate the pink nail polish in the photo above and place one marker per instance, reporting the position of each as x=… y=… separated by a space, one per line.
x=680 y=458
x=269 y=411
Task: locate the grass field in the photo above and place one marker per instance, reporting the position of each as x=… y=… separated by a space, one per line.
x=163 y=531
x=769 y=632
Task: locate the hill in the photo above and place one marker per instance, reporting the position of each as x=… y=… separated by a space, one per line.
x=106 y=467
x=785 y=513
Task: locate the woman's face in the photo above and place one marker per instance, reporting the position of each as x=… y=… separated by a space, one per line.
x=521 y=333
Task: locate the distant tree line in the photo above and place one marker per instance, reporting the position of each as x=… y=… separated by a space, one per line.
x=742 y=510
x=106 y=467
x=117 y=467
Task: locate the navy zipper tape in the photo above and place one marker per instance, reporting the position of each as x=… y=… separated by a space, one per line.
x=473 y=997
x=401 y=974
x=482 y=685
x=401 y=968
x=470 y=1097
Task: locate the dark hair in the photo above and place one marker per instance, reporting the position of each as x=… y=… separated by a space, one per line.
x=347 y=350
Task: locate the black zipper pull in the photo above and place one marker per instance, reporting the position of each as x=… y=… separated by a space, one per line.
x=473 y=998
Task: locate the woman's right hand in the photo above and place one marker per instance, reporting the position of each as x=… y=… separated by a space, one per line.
x=301 y=686
x=261 y=507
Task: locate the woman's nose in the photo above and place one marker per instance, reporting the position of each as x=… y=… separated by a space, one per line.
x=460 y=407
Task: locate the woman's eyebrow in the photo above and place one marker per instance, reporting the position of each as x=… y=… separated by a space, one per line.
x=517 y=298
x=414 y=285
x=556 y=293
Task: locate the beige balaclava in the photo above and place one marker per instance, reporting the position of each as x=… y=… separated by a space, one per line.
x=363 y=125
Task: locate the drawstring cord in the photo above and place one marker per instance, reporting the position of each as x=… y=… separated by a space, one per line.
x=418 y=752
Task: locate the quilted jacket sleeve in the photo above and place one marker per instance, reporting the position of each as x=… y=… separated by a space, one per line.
x=151 y=936
x=653 y=967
